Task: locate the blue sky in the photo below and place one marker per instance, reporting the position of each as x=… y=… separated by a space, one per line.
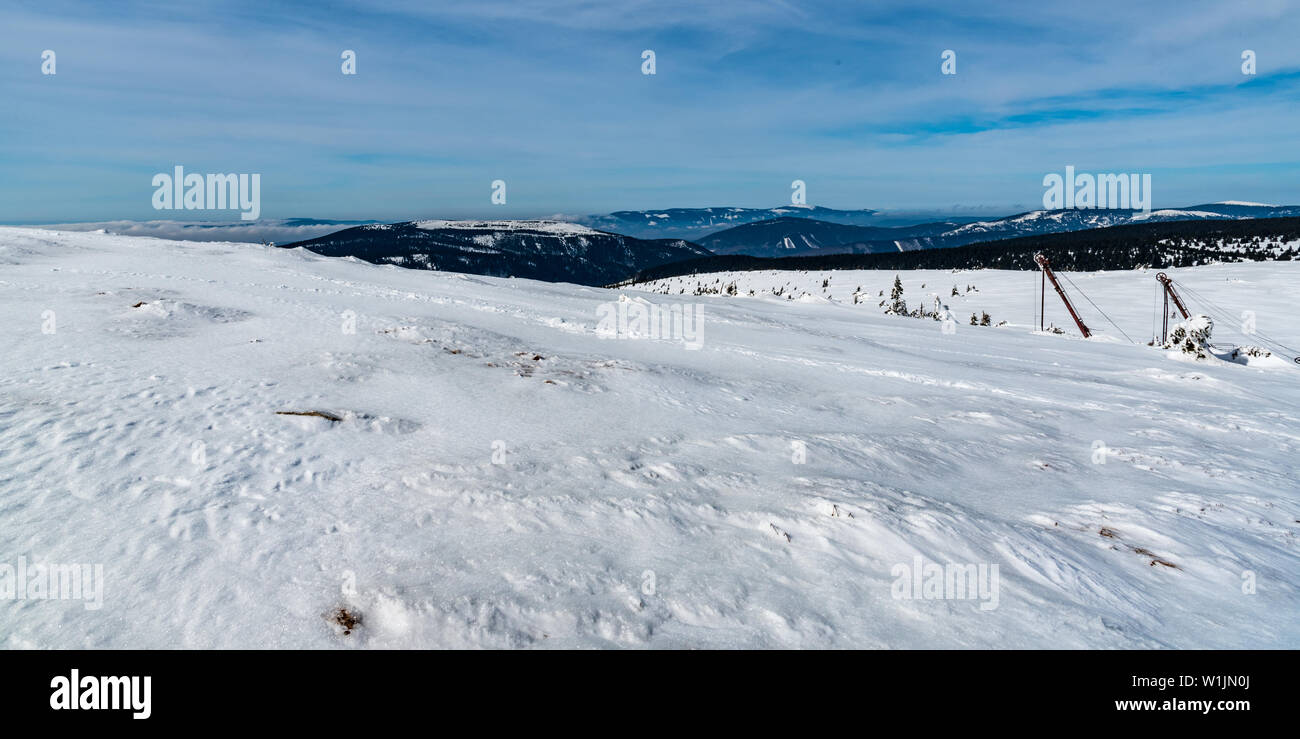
x=549 y=96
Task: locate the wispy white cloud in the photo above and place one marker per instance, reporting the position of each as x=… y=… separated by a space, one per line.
x=548 y=95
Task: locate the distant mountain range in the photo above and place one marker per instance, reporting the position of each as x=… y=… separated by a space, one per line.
x=541 y=250
x=789 y=237
x=1157 y=244
x=581 y=253
x=695 y=223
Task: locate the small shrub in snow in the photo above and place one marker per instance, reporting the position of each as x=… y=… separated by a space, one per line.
x=348 y=620
x=1191 y=337
x=1250 y=351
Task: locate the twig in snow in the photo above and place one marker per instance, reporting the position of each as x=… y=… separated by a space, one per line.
x=317 y=414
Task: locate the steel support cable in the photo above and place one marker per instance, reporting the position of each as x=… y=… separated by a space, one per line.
x=1228 y=319
x=1099 y=310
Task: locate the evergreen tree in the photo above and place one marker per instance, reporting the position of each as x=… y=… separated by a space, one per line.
x=897 y=305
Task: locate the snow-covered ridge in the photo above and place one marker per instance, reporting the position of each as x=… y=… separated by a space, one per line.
x=1083 y=216
x=1174 y=213
x=560 y=228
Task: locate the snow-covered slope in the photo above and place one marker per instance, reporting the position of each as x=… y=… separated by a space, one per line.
x=500 y=475
x=1248 y=301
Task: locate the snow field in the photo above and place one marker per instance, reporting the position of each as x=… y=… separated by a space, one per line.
x=485 y=470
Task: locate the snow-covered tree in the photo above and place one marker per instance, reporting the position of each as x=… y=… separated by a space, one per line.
x=1191 y=337
x=897 y=304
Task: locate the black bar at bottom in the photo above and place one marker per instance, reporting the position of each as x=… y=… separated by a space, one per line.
x=332 y=690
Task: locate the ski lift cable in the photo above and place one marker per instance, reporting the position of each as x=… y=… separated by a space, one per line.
x=1228 y=319
x=1099 y=310
x=1227 y=316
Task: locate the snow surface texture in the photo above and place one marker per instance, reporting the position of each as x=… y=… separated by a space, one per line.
x=484 y=470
